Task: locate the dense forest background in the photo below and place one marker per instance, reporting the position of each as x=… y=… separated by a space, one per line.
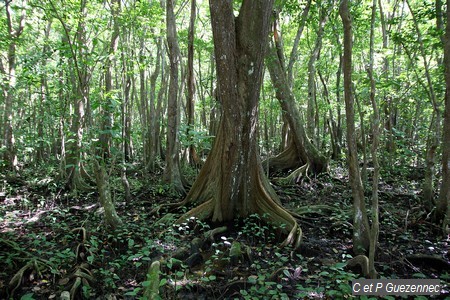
x=222 y=149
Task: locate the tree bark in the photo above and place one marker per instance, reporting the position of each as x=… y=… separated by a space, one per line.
x=331 y=122
x=232 y=182
x=306 y=152
x=428 y=186
x=107 y=116
x=311 y=121
x=104 y=195
x=172 y=173
x=192 y=153
x=293 y=57
x=361 y=238
x=374 y=230
x=79 y=79
x=9 y=83
x=443 y=203
x=40 y=150
x=151 y=111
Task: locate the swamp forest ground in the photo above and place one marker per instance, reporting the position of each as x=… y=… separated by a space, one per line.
x=54 y=241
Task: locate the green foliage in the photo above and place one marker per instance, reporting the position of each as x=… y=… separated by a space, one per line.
x=45 y=93
x=197 y=138
x=27 y=297
x=332 y=281
x=261 y=288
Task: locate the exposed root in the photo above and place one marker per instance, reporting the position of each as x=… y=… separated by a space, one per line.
x=279 y=216
x=169 y=206
x=81 y=230
x=362 y=261
x=287 y=159
x=213 y=232
x=295 y=176
x=201 y=212
x=75 y=181
x=33 y=264
x=14 y=283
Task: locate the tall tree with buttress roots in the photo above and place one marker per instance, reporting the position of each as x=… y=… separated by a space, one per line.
x=232 y=182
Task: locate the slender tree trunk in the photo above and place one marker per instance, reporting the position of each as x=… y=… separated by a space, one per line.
x=107 y=115
x=216 y=109
x=339 y=132
x=192 y=154
x=104 y=194
x=435 y=132
x=293 y=57
x=9 y=83
x=79 y=79
x=362 y=134
x=306 y=152
x=374 y=230
x=361 y=238
x=40 y=150
x=311 y=127
x=388 y=107
x=232 y=182
x=145 y=118
x=202 y=89
x=331 y=122
x=129 y=92
x=151 y=155
x=159 y=109
x=172 y=173
x=129 y=88
x=443 y=203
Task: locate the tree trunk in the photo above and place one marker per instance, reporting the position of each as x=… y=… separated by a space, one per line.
x=306 y=152
x=8 y=142
x=232 y=182
x=129 y=91
x=361 y=238
x=159 y=110
x=374 y=230
x=79 y=79
x=151 y=120
x=331 y=122
x=443 y=203
x=362 y=134
x=293 y=57
x=311 y=121
x=107 y=115
x=192 y=154
x=172 y=174
x=104 y=195
x=40 y=150
x=428 y=186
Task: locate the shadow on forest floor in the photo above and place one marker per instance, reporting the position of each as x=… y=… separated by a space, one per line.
x=52 y=242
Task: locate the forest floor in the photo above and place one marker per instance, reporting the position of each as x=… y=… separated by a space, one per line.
x=53 y=241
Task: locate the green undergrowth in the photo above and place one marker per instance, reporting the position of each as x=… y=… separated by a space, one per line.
x=52 y=243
